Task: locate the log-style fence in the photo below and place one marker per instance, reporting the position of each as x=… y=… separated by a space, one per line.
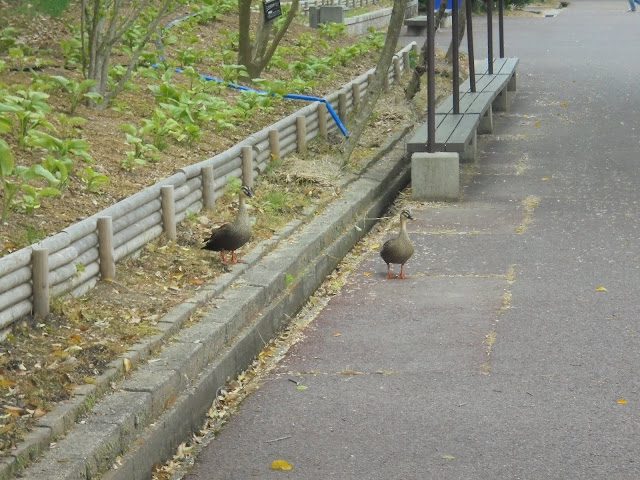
x=75 y=259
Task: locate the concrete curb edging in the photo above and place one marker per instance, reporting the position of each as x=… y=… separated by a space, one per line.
x=159 y=404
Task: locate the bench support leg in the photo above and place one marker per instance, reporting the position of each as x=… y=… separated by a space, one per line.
x=512 y=85
x=486 y=122
x=435 y=176
x=470 y=150
x=500 y=104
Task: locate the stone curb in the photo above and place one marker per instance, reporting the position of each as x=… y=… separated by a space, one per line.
x=159 y=404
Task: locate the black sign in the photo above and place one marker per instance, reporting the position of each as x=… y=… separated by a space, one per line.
x=271 y=9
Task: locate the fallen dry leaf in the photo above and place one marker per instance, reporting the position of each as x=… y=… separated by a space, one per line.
x=6 y=382
x=6 y=428
x=281 y=465
x=15 y=411
x=600 y=288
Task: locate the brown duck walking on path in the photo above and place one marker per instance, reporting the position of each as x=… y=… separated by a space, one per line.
x=398 y=249
x=231 y=236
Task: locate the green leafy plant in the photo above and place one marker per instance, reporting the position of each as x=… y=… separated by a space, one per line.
x=31 y=196
x=92 y=180
x=165 y=90
x=76 y=91
x=8 y=38
x=311 y=66
x=232 y=73
x=274 y=88
x=189 y=56
x=250 y=101
x=161 y=127
x=332 y=30
x=305 y=44
x=30 y=109
x=14 y=179
x=59 y=160
x=116 y=72
x=68 y=126
x=300 y=85
x=142 y=151
x=71 y=50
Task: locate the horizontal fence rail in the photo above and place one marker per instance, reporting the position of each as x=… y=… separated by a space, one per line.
x=73 y=256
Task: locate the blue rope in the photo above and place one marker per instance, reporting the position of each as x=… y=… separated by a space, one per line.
x=293 y=96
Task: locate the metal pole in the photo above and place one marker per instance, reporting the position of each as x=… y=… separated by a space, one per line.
x=472 y=68
x=431 y=87
x=490 y=35
x=456 y=57
x=501 y=26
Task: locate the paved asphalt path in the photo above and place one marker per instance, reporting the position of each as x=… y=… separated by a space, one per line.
x=499 y=358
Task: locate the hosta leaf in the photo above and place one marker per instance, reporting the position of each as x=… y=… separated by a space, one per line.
x=6 y=159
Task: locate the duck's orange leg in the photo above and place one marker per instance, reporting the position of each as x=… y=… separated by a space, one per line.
x=402 y=272
x=389 y=274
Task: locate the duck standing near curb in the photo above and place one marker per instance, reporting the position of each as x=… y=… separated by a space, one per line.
x=231 y=236
x=398 y=249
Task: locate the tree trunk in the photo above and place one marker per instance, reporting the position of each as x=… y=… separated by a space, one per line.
x=462 y=26
x=104 y=23
x=244 y=30
x=414 y=84
x=374 y=90
x=255 y=56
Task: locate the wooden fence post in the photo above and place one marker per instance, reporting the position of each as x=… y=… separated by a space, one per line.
x=406 y=61
x=322 y=119
x=301 y=129
x=247 y=166
x=355 y=87
x=168 y=212
x=274 y=143
x=342 y=107
x=40 y=277
x=208 y=187
x=105 y=248
x=397 y=71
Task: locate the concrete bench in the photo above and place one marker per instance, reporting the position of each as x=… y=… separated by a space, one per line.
x=417 y=26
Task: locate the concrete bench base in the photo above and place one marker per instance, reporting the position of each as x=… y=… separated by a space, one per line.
x=435 y=177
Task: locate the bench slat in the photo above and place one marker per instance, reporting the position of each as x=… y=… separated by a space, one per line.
x=418 y=142
x=462 y=133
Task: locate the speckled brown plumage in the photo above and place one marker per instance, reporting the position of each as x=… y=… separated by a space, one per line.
x=398 y=249
x=231 y=236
